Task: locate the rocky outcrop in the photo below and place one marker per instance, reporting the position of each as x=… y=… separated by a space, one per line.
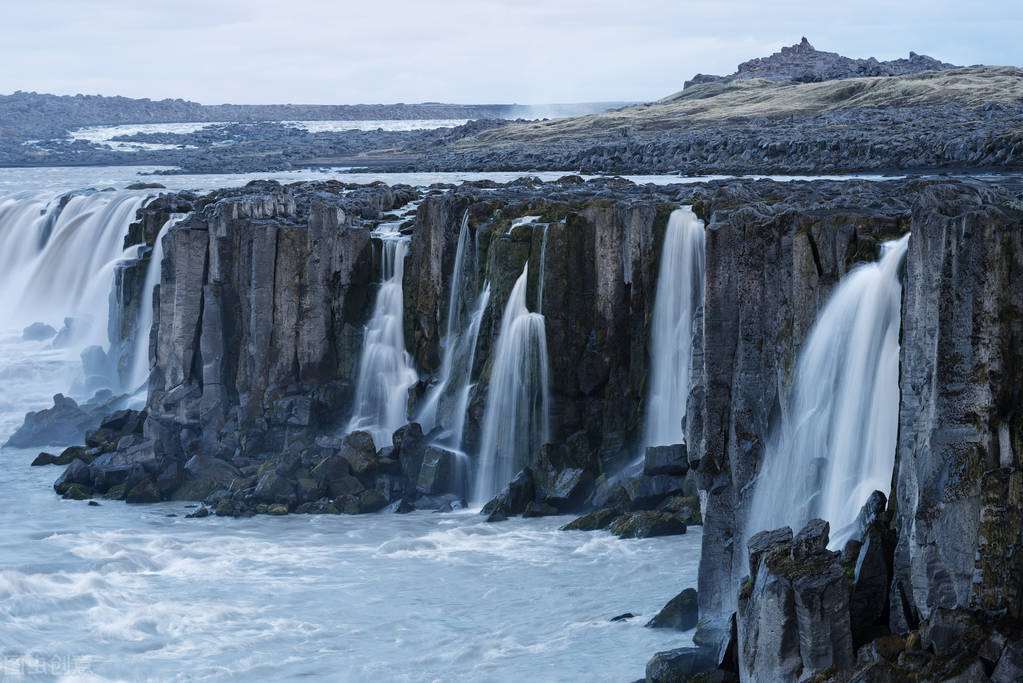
x=802 y=63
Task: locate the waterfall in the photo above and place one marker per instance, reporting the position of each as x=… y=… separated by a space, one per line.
x=447 y=401
x=836 y=440
x=679 y=294
x=516 y=422
x=57 y=261
x=144 y=320
x=385 y=367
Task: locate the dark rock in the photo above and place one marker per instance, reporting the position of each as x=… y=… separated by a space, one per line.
x=143 y=492
x=93 y=503
x=203 y=511
x=673 y=460
x=645 y=493
x=569 y=489
x=44 y=459
x=681 y=613
x=498 y=514
x=203 y=467
x=403 y=507
x=764 y=542
x=76 y=492
x=646 y=524
x=371 y=501
x=534 y=509
x=335 y=474
x=623 y=617
x=880 y=672
x=439 y=472
x=872 y=578
x=812 y=540
x=686 y=507
x=409 y=447
x=591 y=521
x=679 y=665
x=76 y=473
x=38 y=332
x=514 y=498
x=358 y=449
x=1010 y=665
x=273 y=488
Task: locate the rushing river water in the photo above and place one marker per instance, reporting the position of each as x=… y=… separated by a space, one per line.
x=129 y=592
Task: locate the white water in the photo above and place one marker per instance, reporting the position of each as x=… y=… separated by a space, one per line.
x=447 y=401
x=120 y=592
x=679 y=295
x=386 y=372
x=144 y=318
x=516 y=420
x=836 y=441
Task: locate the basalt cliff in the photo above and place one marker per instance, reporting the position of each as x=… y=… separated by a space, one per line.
x=259 y=325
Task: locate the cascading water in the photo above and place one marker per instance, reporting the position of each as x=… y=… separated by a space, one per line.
x=57 y=261
x=516 y=420
x=448 y=399
x=836 y=440
x=679 y=294
x=385 y=367
x=144 y=319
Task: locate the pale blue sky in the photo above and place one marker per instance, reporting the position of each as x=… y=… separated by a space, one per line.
x=526 y=51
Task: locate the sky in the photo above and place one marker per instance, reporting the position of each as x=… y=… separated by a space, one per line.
x=468 y=51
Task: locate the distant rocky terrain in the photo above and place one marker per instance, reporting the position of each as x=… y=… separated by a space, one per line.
x=803 y=63
x=798 y=111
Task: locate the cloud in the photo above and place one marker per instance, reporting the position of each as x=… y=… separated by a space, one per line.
x=527 y=51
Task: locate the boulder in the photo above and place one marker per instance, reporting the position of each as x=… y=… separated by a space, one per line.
x=210 y=468
x=681 y=613
x=439 y=472
x=646 y=524
x=360 y=452
x=514 y=498
x=64 y=423
x=75 y=492
x=409 y=448
x=568 y=489
x=534 y=509
x=38 y=332
x=811 y=540
x=143 y=492
x=44 y=459
x=591 y=521
x=686 y=507
x=76 y=473
x=645 y=493
x=679 y=665
x=273 y=488
x=764 y=542
x=673 y=460
x=1010 y=665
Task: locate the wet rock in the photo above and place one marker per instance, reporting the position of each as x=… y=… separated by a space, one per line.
x=686 y=507
x=358 y=449
x=514 y=498
x=623 y=617
x=409 y=447
x=273 y=488
x=811 y=540
x=498 y=514
x=143 y=492
x=886 y=647
x=676 y=666
x=764 y=542
x=681 y=613
x=569 y=489
x=38 y=332
x=203 y=511
x=673 y=460
x=203 y=467
x=645 y=493
x=402 y=507
x=76 y=492
x=44 y=459
x=439 y=472
x=277 y=509
x=371 y=501
x=334 y=473
x=591 y=521
x=76 y=473
x=534 y=509
x=646 y=524
x=880 y=672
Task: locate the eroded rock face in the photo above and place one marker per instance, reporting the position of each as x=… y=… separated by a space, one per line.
x=960 y=423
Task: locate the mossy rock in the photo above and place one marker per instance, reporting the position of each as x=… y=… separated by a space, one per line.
x=116 y=492
x=76 y=492
x=195 y=489
x=591 y=521
x=277 y=509
x=647 y=524
x=44 y=459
